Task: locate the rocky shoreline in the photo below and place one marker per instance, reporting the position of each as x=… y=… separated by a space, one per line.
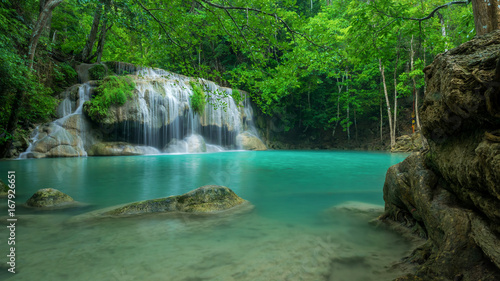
x=450 y=193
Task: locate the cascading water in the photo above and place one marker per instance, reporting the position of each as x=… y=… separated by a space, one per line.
x=159 y=116
x=163 y=116
x=65 y=136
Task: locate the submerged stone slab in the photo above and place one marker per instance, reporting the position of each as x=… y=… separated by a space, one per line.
x=205 y=199
x=49 y=198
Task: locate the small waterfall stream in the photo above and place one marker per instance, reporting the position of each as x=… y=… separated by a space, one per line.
x=158 y=118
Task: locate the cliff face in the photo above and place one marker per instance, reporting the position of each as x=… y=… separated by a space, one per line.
x=451 y=192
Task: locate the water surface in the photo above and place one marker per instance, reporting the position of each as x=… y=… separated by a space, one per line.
x=292 y=233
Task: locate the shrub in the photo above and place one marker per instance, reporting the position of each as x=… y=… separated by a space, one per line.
x=198 y=100
x=112 y=90
x=97 y=72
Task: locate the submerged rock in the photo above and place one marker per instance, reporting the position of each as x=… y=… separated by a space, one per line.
x=120 y=149
x=205 y=199
x=48 y=198
x=249 y=141
x=3 y=189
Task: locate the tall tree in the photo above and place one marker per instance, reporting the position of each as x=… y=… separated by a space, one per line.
x=486 y=16
x=43 y=19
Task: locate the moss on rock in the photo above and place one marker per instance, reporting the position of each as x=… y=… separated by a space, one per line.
x=3 y=189
x=49 y=197
x=205 y=199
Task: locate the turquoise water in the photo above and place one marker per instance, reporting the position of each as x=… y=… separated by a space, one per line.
x=292 y=233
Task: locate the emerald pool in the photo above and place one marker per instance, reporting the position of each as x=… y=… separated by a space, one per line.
x=292 y=233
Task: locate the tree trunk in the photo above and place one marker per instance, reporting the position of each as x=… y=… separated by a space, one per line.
x=486 y=16
x=415 y=91
x=381 y=123
x=395 y=92
x=381 y=68
x=43 y=18
x=348 y=100
x=87 y=50
x=102 y=35
x=339 y=86
x=443 y=30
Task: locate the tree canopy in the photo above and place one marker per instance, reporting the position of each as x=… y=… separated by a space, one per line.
x=315 y=64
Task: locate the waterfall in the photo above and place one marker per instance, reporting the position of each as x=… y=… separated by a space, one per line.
x=158 y=118
x=65 y=136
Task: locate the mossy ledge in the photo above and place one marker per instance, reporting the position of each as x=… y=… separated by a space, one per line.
x=205 y=199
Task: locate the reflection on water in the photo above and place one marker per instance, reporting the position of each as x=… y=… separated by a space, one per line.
x=288 y=236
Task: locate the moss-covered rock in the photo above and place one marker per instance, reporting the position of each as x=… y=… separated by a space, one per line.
x=3 y=189
x=408 y=143
x=120 y=149
x=97 y=72
x=205 y=199
x=48 y=198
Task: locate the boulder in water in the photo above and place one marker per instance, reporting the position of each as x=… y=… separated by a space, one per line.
x=120 y=149
x=3 y=189
x=205 y=199
x=49 y=198
x=249 y=141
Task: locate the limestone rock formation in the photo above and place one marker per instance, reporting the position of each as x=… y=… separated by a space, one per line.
x=451 y=193
x=408 y=143
x=191 y=144
x=205 y=199
x=120 y=149
x=49 y=198
x=249 y=141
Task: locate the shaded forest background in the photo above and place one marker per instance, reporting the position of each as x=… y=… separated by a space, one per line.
x=324 y=70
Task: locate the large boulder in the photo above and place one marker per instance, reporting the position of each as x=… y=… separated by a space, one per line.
x=451 y=193
x=120 y=149
x=205 y=199
x=49 y=198
x=249 y=141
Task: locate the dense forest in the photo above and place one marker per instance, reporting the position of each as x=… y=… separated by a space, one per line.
x=320 y=66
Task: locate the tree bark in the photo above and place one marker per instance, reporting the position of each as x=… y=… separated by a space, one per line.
x=443 y=30
x=43 y=18
x=102 y=35
x=87 y=50
x=348 y=99
x=486 y=16
x=381 y=68
x=339 y=86
x=395 y=92
x=415 y=91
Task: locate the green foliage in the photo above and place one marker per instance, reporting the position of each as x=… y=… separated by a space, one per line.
x=97 y=72
x=112 y=90
x=17 y=80
x=197 y=99
x=237 y=97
